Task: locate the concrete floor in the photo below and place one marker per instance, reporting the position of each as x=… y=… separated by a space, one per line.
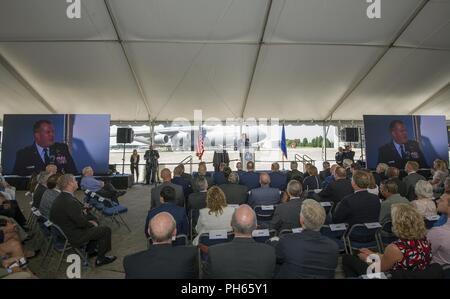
x=137 y=200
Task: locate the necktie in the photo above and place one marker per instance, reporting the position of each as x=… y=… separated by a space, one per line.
x=402 y=150
x=46 y=157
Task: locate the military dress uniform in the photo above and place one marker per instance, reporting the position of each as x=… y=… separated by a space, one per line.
x=411 y=151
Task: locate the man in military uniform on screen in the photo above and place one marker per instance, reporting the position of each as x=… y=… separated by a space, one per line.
x=401 y=150
x=151 y=157
x=44 y=151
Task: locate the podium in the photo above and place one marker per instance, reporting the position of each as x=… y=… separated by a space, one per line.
x=247 y=154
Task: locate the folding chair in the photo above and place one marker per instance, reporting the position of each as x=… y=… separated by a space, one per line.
x=363 y=236
x=336 y=232
x=290 y=231
x=263 y=235
x=193 y=218
x=264 y=214
x=61 y=245
x=211 y=238
x=386 y=234
x=179 y=240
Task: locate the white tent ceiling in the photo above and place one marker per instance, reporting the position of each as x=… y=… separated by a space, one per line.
x=289 y=59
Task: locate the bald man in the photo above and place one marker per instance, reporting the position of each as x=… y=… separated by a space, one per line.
x=264 y=195
x=166 y=176
x=162 y=260
x=338 y=189
x=242 y=258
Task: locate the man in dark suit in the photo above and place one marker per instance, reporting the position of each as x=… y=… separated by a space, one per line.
x=180 y=181
x=401 y=150
x=242 y=258
x=167 y=200
x=294 y=173
x=219 y=176
x=234 y=193
x=326 y=172
x=162 y=260
x=184 y=175
x=44 y=151
x=337 y=189
x=264 y=195
x=277 y=178
x=286 y=214
x=411 y=179
x=197 y=200
x=360 y=207
x=250 y=179
x=67 y=213
x=308 y=254
x=151 y=157
x=166 y=176
x=201 y=173
x=394 y=174
x=41 y=187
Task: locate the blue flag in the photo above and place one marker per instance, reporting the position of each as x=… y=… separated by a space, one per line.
x=283 y=143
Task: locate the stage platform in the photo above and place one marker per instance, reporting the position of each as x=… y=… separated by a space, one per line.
x=119 y=181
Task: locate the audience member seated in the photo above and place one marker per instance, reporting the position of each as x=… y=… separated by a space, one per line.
x=411 y=252
x=389 y=190
x=201 y=173
x=166 y=176
x=218 y=176
x=347 y=164
x=250 y=179
x=359 y=207
x=424 y=202
x=180 y=181
x=264 y=195
x=50 y=195
x=40 y=188
x=338 y=189
x=440 y=173
x=286 y=214
x=107 y=190
x=394 y=173
x=294 y=173
x=373 y=187
x=308 y=254
x=234 y=193
x=184 y=175
x=277 y=178
x=239 y=168
x=216 y=215
x=380 y=173
x=411 y=179
x=329 y=179
x=67 y=213
x=312 y=181
x=10 y=209
x=167 y=197
x=339 y=156
x=162 y=260
x=7 y=189
x=197 y=200
x=326 y=172
x=242 y=258
x=439 y=237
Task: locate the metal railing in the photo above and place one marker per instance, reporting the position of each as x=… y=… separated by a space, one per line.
x=304 y=159
x=187 y=160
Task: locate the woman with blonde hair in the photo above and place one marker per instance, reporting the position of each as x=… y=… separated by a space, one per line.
x=440 y=168
x=424 y=202
x=216 y=216
x=411 y=252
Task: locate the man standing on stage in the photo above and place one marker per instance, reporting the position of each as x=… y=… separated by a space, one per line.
x=151 y=157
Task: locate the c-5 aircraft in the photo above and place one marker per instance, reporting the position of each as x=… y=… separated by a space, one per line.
x=184 y=137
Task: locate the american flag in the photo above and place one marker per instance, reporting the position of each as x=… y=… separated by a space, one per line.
x=200 y=148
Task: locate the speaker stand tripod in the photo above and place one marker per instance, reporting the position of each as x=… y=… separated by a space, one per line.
x=123 y=159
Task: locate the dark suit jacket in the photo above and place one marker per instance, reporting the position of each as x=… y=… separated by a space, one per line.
x=278 y=180
x=360 y=207
x=219 y=178
x=241 y=258
x=311 y=183
x=234 y=193
x=197 y=201
x=287 y=215
x=66 y=212
x=178 y=213
x=308 y=254
x=402 y=188
x=163 y=261
x=28 y=160
x=324 y=174
x=250 y=180
x=185 y=184
x=410 y=182
x=37 y=195
x=295 y=174
x=336 y=191
x=155 y=202
x=388 y=154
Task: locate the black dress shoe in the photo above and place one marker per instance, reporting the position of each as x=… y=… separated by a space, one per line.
x=106 y=260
